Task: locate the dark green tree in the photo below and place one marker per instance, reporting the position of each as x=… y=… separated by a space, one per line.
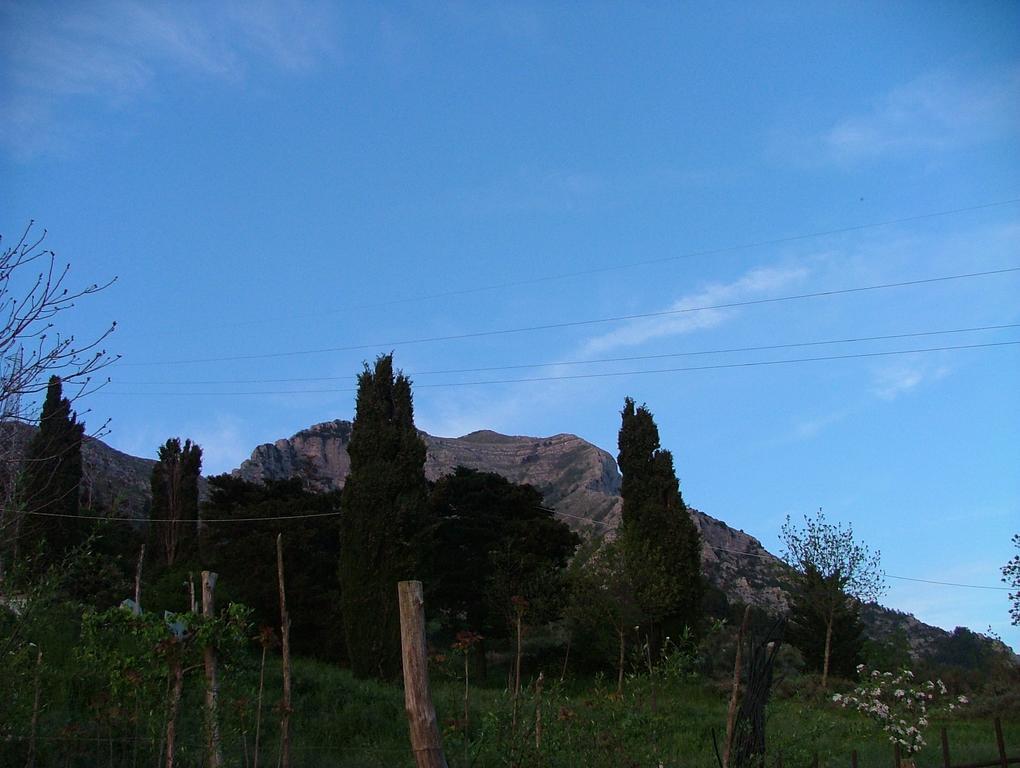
x=661 y=544
x=244 y=555
x=383 y=528
x=52 y=477
x=809 y=624
x=175 y=499
x=493 y=540
x=831 y=570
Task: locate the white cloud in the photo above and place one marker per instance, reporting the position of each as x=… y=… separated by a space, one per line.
x=811 y=427
x=936 y=112
x=752 y=284
x=114 y=52
x=894 y=380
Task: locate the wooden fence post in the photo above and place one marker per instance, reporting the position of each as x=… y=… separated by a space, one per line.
x=1001 y=743
x=285 y=653
x=138 y=579
x=945 y=749
x=896 y=755
x=214 y=748
x=731 y=712
x=853 y=759
x=421 y=714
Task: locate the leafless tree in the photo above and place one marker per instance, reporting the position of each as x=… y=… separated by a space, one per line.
x=34 y=294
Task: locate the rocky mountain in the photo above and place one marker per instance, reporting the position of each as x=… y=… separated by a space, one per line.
x=578 y=479
x=582 y=483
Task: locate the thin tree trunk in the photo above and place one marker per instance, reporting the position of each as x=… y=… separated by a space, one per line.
x=138 y=579
x=566 y=658
x=30 y=763
x=214 y=748
x=517 y=661
x=731 y=712
x=538 y=712
x=421 y=713
x=191 y=593
x=517 y=669
x=828 y=647
x=176 y=689
x=258 y=705
x=285 y=653
x=622 y=634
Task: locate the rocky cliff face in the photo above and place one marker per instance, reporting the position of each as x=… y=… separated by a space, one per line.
x=578 y=479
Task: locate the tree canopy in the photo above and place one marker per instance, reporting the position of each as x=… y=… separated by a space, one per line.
x=492 y=537
x=175 y=498
x=244 y=554
x=383 y=527
x=830 y=571
x=52 y=476
x=662 y=546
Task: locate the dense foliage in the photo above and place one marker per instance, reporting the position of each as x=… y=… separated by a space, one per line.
x=662 y=547
x=52 y=478
x=175 y=499
x=494 y=540
x=830 y=569
x=244 y=554
x=809 y=625
x=383 y=528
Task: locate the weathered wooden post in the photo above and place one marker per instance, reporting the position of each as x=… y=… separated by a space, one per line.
x=945 y=748
x=421 y=714
x=853 y=758
x=214 y=749
x=731 y=712
x=138 y=579
x=285 y=653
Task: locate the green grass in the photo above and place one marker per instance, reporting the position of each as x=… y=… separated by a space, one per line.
x=341 y=722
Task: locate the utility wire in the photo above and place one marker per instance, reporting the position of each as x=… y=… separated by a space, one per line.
x=662 y=260
x=770 y=557
x=593 y=361
x=579 y=323
x=568 y=377
x=767 y=556
x=178 y=520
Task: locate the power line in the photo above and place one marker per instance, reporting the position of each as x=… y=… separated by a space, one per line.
x=176 y=520
x=580 y=323
x=766 y=556
x=593 y=361
x=662 y=260
x=601 y=375
x=770 y=557
x=945 y=583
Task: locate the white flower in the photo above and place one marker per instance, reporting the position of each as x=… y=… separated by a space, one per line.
x=963 y=699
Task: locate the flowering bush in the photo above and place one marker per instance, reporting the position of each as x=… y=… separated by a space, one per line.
x=899 y=705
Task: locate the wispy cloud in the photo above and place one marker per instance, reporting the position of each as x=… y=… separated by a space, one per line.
x=894 y=380
x=755 y=283
x=936 y=112
x=116 y=51
x=811 y=427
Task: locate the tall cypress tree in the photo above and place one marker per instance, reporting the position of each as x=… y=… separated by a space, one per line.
x=175 y=498
x=661 y=544
x=53 y=476
x=384 y=506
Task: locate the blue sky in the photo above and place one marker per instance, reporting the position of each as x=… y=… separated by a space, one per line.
x=269 y=178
